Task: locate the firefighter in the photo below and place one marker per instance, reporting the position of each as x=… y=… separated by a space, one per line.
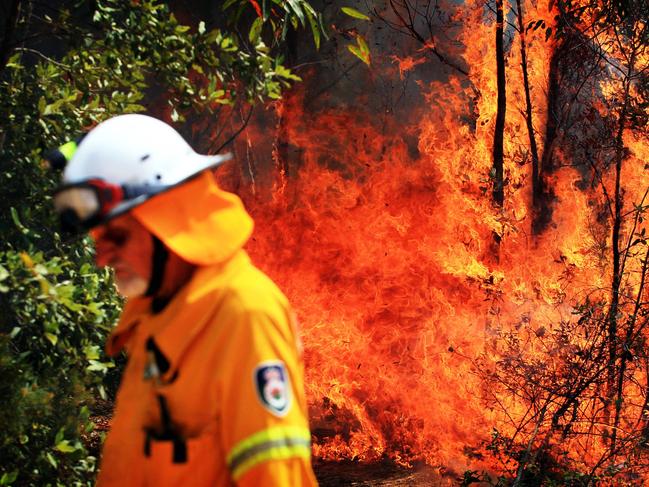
x=213 y=390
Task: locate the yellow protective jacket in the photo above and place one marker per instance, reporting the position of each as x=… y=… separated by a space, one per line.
x=212 y=394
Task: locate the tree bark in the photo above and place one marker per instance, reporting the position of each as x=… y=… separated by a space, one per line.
x=498 y=151
x=542 y=196
x=616 y=280
x=537 y=190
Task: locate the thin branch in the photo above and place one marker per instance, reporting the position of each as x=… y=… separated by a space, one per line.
x=43 y=56
x=236 y=133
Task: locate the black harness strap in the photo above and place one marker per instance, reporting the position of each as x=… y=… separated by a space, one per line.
x=168 y=434
x=169 y=431
x=158 y=263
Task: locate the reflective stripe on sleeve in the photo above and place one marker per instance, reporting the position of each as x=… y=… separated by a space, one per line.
x=277 y=443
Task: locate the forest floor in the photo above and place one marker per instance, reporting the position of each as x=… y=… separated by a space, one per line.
x=339 y=474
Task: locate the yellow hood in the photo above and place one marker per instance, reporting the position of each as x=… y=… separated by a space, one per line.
x=197 y=220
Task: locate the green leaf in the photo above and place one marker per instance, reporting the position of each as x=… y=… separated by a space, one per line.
x=84 y=412
x=60 y=435
x=363 y=47
x=286 y=73
x=9 y=478
x=355 y=51
x=51 y=337
x=52 y=108
x=42 y=270
x=361 y=51
x=315 y=28
x=17 y=222
x=51 y=459
x=14 y=62
x=352 y=12
x=255 y=30
x=95 y=308
x=97 y=366
x=91 y=352
x=65 y=447
x=297 y=10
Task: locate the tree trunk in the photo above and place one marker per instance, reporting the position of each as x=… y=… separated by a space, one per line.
x=282 y=144
x=537 y=189
x=617 y=271
x=498 y=152
x=542 y=196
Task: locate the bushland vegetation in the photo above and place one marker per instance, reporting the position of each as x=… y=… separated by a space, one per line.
x=64 y=67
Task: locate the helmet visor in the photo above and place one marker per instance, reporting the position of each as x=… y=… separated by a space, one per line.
x=83 y=200
x=84 y=205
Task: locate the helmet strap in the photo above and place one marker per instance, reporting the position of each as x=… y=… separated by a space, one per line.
x=158 y=264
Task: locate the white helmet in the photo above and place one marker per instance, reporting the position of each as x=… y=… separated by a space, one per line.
x=120 y=164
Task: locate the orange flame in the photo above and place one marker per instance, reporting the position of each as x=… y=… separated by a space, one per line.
x=383 y=242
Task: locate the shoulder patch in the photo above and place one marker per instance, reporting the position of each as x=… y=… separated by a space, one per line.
x=273 y=387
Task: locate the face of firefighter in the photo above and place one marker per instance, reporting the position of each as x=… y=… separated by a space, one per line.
x=126 y=246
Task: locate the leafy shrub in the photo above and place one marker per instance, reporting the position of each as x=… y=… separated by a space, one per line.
x=56 y=308
x=54 y=316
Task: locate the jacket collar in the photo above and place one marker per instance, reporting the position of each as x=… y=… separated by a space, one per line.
x=183 y=319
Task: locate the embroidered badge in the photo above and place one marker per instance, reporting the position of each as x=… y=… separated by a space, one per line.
x=273 y=387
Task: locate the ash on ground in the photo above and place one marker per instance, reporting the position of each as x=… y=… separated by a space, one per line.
x=338 y=474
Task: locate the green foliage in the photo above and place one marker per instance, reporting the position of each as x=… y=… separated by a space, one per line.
x=360 y=50
x=274 y=19
x=56 y=307
x=54 y=317
x=352 y=12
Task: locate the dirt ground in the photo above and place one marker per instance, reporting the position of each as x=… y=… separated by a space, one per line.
x=334 y=474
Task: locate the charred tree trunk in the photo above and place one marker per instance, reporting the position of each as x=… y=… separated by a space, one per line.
x=282 y=139
x=542 y=196
x=626 y=355
x=537 y=190
x=499 y=131
x=618 y=268
x=644 y=414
